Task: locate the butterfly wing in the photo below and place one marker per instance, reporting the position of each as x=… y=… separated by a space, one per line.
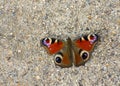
x=82 y=48
x=64 y=57
x=52 y=45
x=61 y=49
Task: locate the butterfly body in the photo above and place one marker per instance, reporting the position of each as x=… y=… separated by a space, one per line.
x=70 y=52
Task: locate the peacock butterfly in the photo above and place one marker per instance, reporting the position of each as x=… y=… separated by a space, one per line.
x=69 y=52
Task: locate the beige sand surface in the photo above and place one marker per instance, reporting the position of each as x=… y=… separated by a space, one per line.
x=23 y=23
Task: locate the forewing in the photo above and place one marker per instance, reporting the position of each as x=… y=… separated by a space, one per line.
x=52 y=45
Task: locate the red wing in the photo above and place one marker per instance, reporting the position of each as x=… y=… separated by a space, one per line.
x=62 y=51
x=52 y=45
x=82 y=48
x=86 y=42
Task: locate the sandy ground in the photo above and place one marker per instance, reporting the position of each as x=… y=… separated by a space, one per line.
x=23 y=23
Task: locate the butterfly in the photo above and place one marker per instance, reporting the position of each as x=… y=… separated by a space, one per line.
x=70 y=52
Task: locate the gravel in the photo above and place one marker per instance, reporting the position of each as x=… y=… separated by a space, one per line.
x=23 y=23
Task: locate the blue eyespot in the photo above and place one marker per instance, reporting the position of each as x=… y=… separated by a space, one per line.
x=58 y=59
x=84 y=55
